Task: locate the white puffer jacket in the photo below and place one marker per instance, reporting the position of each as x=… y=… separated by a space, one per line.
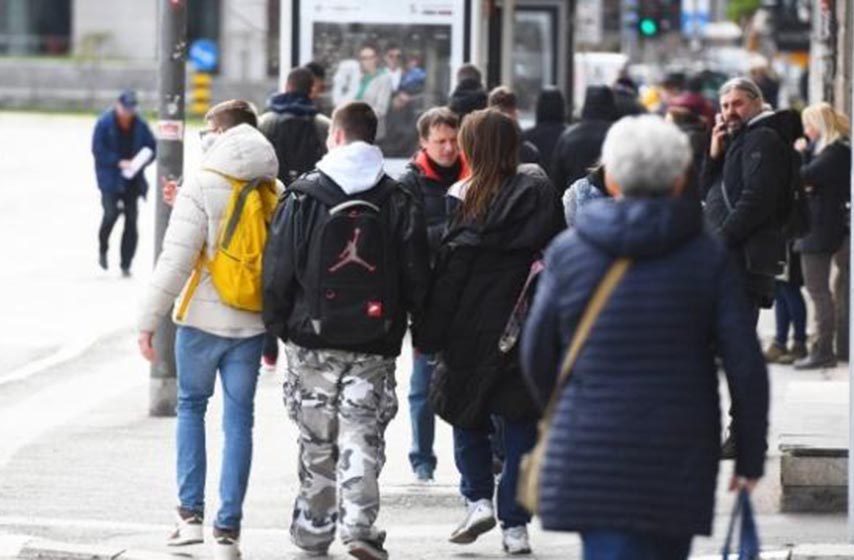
x=240 y=152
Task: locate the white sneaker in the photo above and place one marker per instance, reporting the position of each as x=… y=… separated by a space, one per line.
x=187 y=531
x=479 y=519
x=515 y=540
x=227 y=548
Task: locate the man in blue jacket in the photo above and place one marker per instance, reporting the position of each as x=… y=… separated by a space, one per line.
x=120 y=134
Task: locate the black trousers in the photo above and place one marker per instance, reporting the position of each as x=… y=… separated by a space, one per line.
x=115 y=204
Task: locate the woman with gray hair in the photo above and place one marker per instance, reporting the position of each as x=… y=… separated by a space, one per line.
x=634 y=441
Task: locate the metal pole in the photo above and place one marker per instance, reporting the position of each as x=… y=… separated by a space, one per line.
x=507 y=41
x=849 y=43
x=170 y=165
x=286 y=15
x=570 y=60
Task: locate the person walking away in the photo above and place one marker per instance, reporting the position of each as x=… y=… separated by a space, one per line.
x=120 y=135
x=212 y=335
x=626 y=97
x=579 y=147
x=469 y=95
x=346 y=262
x=826 y=175
x=298 y=132
x=505 y=220
x=503 y=99
x=584 y=190
x=693 y=100
x=550 y=122
x=631 y=459
x=437 y=165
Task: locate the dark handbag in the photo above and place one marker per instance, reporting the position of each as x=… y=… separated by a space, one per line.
x=748 y=545
x=757 y=258
x=513 y=329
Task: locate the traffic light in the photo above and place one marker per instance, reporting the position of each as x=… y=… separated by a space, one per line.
x=649 y=18
x=648 y=26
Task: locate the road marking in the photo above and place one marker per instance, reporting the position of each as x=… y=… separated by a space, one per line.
x=65 y=354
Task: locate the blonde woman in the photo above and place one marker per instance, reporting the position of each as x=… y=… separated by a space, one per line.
x=826 y=174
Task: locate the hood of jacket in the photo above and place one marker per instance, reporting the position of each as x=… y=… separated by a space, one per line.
x=292 y=103
x=639 y=227
x=786 y=122
x=468 y=96
x=242 y=152
x=599 y=104
x=551 y=106
x=355 y=167
x=524 y=215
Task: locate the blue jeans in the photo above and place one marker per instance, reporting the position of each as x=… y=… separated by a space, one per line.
x=790 y=310
x=421 y=414
x=626 y=545
x=473 y=455
x=198 y=356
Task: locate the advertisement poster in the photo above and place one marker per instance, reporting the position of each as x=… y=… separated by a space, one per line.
x=399 y=57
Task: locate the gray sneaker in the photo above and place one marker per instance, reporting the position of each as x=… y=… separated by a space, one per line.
x=479 y=519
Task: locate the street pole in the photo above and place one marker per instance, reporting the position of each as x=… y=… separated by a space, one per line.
x=570 y=60
x=507 y=41
x=849 y=16
x=170 y=165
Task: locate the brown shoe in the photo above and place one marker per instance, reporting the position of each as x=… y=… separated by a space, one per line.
x=774 y=353
x=798 y=351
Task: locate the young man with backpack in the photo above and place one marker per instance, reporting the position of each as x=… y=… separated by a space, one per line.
x=298 y=132
x=346 y=262
x=218 y=314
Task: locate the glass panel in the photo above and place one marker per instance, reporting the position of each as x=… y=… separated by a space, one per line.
x=533 y=56
x=31 y=27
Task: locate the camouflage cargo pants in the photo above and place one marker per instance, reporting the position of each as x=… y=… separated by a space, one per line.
x=342 y=403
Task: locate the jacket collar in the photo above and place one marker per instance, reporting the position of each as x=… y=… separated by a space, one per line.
x=425 y=166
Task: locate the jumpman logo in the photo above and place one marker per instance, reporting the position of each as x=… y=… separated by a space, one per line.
x=350 y=254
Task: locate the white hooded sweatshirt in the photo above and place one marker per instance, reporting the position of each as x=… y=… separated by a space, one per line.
x=356 y=167
x=243 y=153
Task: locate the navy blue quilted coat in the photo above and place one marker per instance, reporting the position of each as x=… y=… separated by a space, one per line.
x=636 y=437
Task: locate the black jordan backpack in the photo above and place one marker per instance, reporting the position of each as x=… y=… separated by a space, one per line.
x=349 y=273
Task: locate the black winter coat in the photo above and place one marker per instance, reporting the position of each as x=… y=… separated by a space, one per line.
x=545 y=136
x=479 y=275
x=756 y=171
x=428 y=188
x=577 y=150
x=635 y=441
x=827 y=179
x=295 y=224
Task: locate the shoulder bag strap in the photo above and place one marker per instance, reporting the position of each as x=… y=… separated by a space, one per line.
x=600 y=297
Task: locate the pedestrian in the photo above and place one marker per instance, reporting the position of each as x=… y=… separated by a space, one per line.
x=579 y=147
x=469 y=94
x=697 y=129
x=587 y=189
x=747 y=183
x=826 y=173
x=506 y=217
x=346 y=262
x=550 y=122
x=212 y=336
x=298 y=131
x=693 y=100
x=632 y=455
x=503 y=99
x=123 y=146
x=790 y=311
x=437 y=165
x=626 y=97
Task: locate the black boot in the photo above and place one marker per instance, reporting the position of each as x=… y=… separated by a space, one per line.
x=820 y=357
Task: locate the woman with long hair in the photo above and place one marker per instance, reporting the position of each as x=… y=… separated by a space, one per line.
x=826 y=176
x=505 y=217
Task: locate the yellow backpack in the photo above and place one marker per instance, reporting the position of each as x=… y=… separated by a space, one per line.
x=235 y=268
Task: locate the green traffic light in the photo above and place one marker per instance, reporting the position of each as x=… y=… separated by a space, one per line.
x=648 y=27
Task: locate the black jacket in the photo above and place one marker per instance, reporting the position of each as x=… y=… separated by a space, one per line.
x=756 y=171
x=479 y=276
x=467 y=97
x=635 y=440
x=295 y=223
x=545 y=136
x=287 y=113
x=529 y=153
x=429 y=189
x=580 y=146
x=827 y=178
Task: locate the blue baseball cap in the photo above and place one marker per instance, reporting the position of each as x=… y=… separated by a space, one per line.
x=128 y=100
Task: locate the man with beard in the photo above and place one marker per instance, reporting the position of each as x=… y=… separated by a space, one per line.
x=746 y=180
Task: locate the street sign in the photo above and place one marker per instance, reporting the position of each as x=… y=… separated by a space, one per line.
x=695 y=17
x=204 y=55
x=588 y=22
